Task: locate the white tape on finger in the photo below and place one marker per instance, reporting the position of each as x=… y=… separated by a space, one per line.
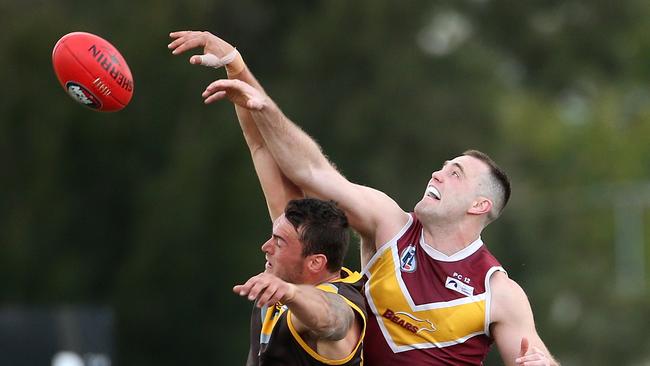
x=212 y=60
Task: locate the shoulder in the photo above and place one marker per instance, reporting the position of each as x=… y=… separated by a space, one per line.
x=349 y=288
x=509 y=301
x=371 y=212
x=394 y=228
x=388 y=226
x=502 y=285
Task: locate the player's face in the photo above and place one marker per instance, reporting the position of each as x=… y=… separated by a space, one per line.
x=284 y=252
x=452 y=190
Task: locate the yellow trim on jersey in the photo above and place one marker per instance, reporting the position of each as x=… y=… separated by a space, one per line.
x=273 y=314
x=332 y=289
x=351 y=277
x=441 y=324
x=313 y=353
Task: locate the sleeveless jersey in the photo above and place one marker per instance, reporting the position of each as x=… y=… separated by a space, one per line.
x=275 y=342
x=426 y=308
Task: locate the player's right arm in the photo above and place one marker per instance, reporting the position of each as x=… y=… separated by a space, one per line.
x=278 y=190
x=371 y=213
x=323 y=317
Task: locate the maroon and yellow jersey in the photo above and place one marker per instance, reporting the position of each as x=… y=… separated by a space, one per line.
x=275 y=341
x=427 y=308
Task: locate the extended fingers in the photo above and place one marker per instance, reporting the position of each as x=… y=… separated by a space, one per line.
x=186 y=43
x=214 y=88
x=214 y=97
x=269 y=295
x=221 y=84
x=264 y=291
x=267 y=290
x=524 y=346
x=216 y=91
x=185 y=34
x=178 y=38
x=253 y=286
x=540 y=362
x=244 y=289
x=257 y=288
x=534 y=357
x=236 y=91
x=277 y=291
x=177 y=34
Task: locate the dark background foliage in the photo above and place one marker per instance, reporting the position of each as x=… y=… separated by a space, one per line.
x=155 y=211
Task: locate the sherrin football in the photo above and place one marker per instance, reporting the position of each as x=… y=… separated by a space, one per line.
x=92 y=71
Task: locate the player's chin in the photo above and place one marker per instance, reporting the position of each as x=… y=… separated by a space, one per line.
x=421 y=207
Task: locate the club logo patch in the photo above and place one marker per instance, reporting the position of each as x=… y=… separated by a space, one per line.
x=83 y=95
x=409 y=322
x=407 y=261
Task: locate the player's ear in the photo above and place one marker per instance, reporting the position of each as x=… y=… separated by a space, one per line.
x=481 y=205
x=317 y=263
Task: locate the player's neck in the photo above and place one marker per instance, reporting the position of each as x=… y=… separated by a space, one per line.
x=325 y=277
x=450 y=239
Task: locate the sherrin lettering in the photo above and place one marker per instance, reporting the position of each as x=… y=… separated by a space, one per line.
x=108 y=63
x=96 y=70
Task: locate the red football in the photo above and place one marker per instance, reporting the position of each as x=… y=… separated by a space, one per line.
x=92 y=71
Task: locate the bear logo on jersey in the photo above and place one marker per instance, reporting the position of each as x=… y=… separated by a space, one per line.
x=407 y=259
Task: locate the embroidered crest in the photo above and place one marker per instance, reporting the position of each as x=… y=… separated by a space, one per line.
x=407 y=261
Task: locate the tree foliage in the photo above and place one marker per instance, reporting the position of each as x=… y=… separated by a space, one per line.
x=156 y=211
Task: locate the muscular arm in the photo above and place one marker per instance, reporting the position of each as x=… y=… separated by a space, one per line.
x=370 y=212
x=302 y=160
x=277 y=189
x=323 y=317
x=513 y=325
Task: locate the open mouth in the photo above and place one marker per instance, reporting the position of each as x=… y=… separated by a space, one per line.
x=433 y=192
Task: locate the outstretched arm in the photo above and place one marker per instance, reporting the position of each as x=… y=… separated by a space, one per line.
x=320 y=315
x=513 y=326
x=278 y=190
x=370 y=212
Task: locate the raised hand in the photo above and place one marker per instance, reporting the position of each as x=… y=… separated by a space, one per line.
x=216 y=51
x=237 y=92
x=267 y=289
x=531 y=356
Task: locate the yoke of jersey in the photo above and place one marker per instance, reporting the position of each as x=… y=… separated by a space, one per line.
x=348 y=287
x=419 y=302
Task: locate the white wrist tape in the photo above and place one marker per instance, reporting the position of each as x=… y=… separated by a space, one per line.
x=215 y=61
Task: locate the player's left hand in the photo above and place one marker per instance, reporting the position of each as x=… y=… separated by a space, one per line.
x=531 y=356
x=217 y=52
x=237 y=91
x=267 y=289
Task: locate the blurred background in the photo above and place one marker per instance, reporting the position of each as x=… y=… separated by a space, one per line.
x=122 y=234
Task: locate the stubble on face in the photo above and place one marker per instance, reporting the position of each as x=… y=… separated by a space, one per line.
x=286 y=260
x=457 y=191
